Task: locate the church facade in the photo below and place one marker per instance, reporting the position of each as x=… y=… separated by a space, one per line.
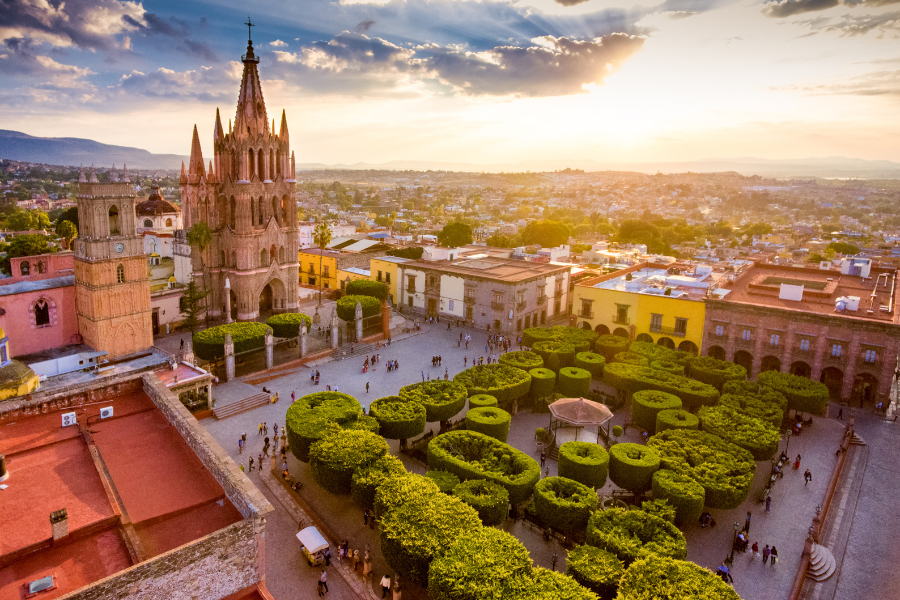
x=246 y=197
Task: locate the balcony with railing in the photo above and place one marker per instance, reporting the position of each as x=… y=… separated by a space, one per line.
x=832 y=359
x=469 y=300
x=410 y=289
x=801 y=351
x=497 y=305
x=541 y=300
x=872 y=363
x=520 y=306
x=586 y=314
x=620 y=320
x=654 y=328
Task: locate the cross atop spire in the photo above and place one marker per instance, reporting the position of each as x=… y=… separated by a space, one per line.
x=249 y=25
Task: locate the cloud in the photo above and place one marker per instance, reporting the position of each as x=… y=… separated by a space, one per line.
x=206 y=84
x=877 y=83
x=86 y=24
x=364 y=26
x=885 y=25
x=278 y=44
x=21 y=58
x=570 y=2
x=787 y=8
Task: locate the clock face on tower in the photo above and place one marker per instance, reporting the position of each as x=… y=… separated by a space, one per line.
x=119 y=248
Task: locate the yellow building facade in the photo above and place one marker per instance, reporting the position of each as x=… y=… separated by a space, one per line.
x=310 y=268
x=645 y=303
x=386 y=270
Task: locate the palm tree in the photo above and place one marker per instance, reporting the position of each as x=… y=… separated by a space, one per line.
x=321 y=237
x=200 y=235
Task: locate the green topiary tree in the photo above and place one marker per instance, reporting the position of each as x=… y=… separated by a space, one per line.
x=755 y=405
x=574 y=382
x=543 y=382
x=287 y=325
x=585 y=463
x=555 y=352
x=634 y=534
x=595 y=569
x=346 y=307
x=396 y=491
x=676 y=419
x=445 y=480
x=501 y=381
x=494 y=422
x=522 y=359
x=609 y=345
x=650 y=351
x=803 y=395
x=442 y=399
x=564 y=504
x=544 y=584
x=630 y=358
x=532 y=335
x=590 y=362
x=715 y=372
x=482 y=401
x=399 y=417
x=682 y=492
x=313 y=416
x=631 y=466
x=367 y=480
x=661 y=578
x=669 y=366
x=489 y=499
x=760 y=437
x=334 y=459
x=209 y=344
x=367 y=287
x=646 y=404
x=631 y=378
x=659 y=507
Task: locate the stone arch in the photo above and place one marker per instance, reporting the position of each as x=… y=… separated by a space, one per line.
x=126 y=339
x=272 y=164
x=148 y=223
x=272 y=296
x=113 y=220
x=222 y=262
x=621 y=332
x=25 y=268
x=263 y=258
x=41 y=267
x=120 y=273
x=234 y=305
x=688 y=346
x=234 y=259
x=273 y=253
x=666 y=343
x=770 y=363
x=284 y=209
x=281 y=255
x=834 y=379
x=717 y=352
x=865 y=388
x=40 y=310
x=278 y=163
x=602 y=329
x=251 y=164
x=168 y=222
x=586 y=325
x=745 y=359
x=261 y=164
x=644 y=337
x=275 y=209
x=259 y=212
x=801 y=369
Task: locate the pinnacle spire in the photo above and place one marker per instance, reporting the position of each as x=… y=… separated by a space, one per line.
x=126 y=178
x=218 y=132
x=283 y=134
x=183 y=179
x=251 y=119
x=196 y=165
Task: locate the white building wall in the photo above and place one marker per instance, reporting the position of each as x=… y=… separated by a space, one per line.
x=452 y=293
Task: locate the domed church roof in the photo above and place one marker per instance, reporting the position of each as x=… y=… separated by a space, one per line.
x=156 y=205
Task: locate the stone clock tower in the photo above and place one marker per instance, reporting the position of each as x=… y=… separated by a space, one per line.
x=112 y=288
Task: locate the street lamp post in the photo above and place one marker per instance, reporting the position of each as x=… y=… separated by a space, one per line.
x=737 y=527
x=788 y=444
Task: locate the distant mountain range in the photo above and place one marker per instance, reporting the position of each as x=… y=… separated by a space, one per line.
x=76 y=151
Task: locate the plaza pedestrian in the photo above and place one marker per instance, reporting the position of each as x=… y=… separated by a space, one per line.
x=327 y=557
x=324 y=579
x=774 y=555
x=766 y=553
x=265 y=429
x=385 y=585
x=366 y=518
x=465 y=362
x=768 y=503
x=841 y=414
x=747 y=522
x=808 y=477
x=284 y=465
x=423 y=375
x=724 y=574
x=754 y=549
x=182 y=343
x=546 y=472
x=259 y=462
x=320 y=589
x=367 y=387
x=259 y=432
x=240 y=446
x=342 y=551
x=251 y=464
x=543 y=458
x=275 y=431
x=797 y=463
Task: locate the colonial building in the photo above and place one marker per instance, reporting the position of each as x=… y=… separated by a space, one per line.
x=157 y=221
x=246 y=196
x=837 y=326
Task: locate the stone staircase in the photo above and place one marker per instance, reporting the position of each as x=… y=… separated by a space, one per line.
x=821 y=563
x=233 y=408
x=856 y=440
x=361 y=350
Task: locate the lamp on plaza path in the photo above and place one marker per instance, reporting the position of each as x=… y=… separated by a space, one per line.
x=788 y=444
x=737 y=527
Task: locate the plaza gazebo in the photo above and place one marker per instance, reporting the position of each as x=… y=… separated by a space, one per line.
x=578 y=413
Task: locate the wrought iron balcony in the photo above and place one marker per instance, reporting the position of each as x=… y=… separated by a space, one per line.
x=497 y=305
x=666 y=330
x=469 y=299
x=624 y=321
x=586 y=315
x=520 y=306
x=541 y=300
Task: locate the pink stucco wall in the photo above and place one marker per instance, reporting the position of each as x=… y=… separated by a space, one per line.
x=19 y=324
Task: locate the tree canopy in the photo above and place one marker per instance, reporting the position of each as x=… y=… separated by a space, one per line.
x=547 y=234
x=455 y=234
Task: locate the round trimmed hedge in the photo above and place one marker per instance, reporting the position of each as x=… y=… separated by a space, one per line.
x=494 y=422
x=367 y=480
x=631 y=378
x=209 y=344
x=420 y=530
x=489 y=499
x=555 y=353
x=646 y=404
x=725 y=470
x=634 y=534
x=669 y=366
x=803 y=395
x=676 y=419
x=473 y=455
x=543 y=382
x=590 y=362
x=399 y=417
x=346 y=307
x=522 y=359
x=442 y=399
x=564 y=504
x=365 y=423
x=596 y=569
x=609 y=345
x=659 y=507
x=574 y=382
x=396 y=491
x=651 y=351
x=682 y=492
x=482 y=401
x=584 y=462
x=630 y=358
x=367 y=287
x=544 y=584
x=482 y=563
x=760 y=437
x=334 y=458
x=287 y=325
x=445 y=480
x=715 y=372
x=532 y=335
x=501 y=381
x=314 y=415
x=631 y=466
x=754 y=405
x=660 y=578
x=581 y=339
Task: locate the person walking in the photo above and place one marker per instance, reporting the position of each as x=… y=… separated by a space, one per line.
x=367 y=387
x=797 y=463
x=754 y=549
x=366 y=518
x=259 y=431
x=747 y=522
x=320 y=589
x=808 y=477
x=768 y=503
x=543 y=458
x=774 y=555
x=385 y=585
x=423 y=375
x=259 y=462
x=324 y=579
x=327 y=556
x=251 y=465
x=841 y=414
x=766 y=553
x=240 y=446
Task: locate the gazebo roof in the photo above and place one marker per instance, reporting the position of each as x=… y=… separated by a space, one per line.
x=580 y=412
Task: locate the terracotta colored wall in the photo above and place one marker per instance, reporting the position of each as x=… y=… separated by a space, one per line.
x=18 y=322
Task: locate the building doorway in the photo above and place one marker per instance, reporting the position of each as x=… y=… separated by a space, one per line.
x=801 y=369
x=834 y=379
x=234 y=305
x=865 y=388
x=745 y=359
x=717 y=352
x=155 y=322
x=432 y=307
x=265 y=300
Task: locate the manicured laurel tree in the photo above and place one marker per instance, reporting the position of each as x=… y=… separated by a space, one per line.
x=503 y=382
x=682 y=357
x=442 y=399
x=364 y=423
x=346 y=307
x=715 y=372
x=445 y=480
x=670 y=366
x=751 y=389
x=333 y=459
x=676 y=419
x=480 y=564
x=482 y=401
x=543 y=382
x=313 y=415
x=522 y=359
x=753 y=406
x=367 y=480
x=631 y=466
x=595 y=569
x=609 y=345
x=584 y=462
x=634 y=534
x=590 y=362
x=563 y=504
x=489 y=421
x=651 y=351
x=646 y=404
x=399 y=417
x=582 y=339
x=397 y=491
x=630 y=358
x=209 y=344
x=563 y=351
x=537 y=334
x=544 y=584
x=682 y=492
x=420 y=530
x=725 y=470
x=803 y=395
x=473 y=455
x=489 y=499
x=366 y=287
x=630 y=378
x=760 y=437
x=574 y=382
x=660 y=508
x=660 y=578
x=617 y=430
x=287 y=325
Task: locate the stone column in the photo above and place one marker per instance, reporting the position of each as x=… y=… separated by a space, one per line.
x=270 y=349
x=229 y=358
x=359 y=323
x=302 y=340
x=334 y=331
x=386 y=319
x=227 y=300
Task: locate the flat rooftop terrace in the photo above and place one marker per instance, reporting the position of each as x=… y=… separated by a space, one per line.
x=490 y=268
x=132 y=487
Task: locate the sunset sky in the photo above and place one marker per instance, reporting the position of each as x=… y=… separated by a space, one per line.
x=467 y=81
